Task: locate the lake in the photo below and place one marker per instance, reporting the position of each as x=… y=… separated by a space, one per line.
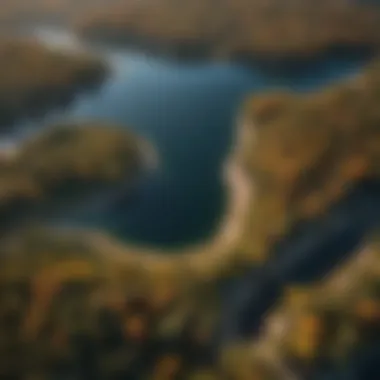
x=188 y=111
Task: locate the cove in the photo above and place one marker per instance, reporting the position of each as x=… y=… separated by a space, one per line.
x=188 y=111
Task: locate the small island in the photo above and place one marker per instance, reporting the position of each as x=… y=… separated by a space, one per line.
x=34 y=79
x=241 y=30
x=63 y=161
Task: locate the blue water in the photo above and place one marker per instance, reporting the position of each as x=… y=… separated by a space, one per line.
x=188 y=111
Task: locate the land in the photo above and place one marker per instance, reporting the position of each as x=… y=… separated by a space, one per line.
x=309 y=151
x=34 y=79
x=243 y=30
x=136 y=317
x=64 y=161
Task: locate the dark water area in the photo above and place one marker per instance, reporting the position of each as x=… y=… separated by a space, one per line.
x=188 y=112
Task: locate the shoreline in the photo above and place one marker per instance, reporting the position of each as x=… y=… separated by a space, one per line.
x=202 y=261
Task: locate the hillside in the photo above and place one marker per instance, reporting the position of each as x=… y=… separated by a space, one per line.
x=238 y=29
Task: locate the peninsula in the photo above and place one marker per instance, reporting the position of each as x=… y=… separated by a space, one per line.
x=34 y=79
x=65 y=160
x=309 y=151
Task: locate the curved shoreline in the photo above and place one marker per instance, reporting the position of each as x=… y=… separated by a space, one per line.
x=202 y=261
